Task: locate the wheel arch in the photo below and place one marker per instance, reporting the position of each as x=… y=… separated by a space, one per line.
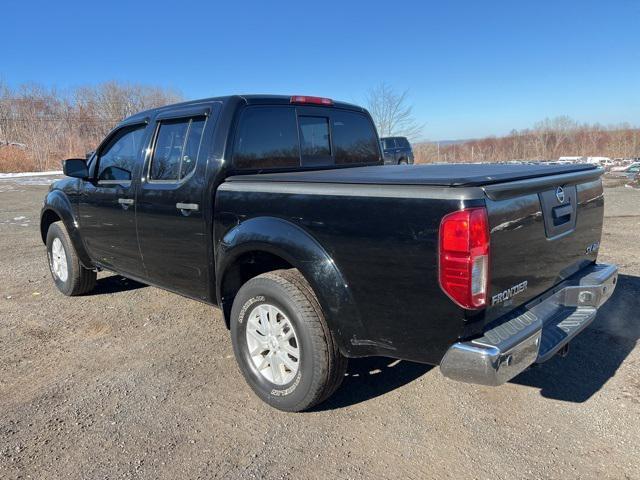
x=58 y=208
x=269 y=243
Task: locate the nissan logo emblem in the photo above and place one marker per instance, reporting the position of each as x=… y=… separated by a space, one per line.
x=560 y=194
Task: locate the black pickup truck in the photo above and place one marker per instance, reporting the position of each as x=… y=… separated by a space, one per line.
x=279 y=211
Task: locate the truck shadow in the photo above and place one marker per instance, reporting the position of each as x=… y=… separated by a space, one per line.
x=114 y=284
x=370 y=377
x=596 y=354
x=594 y=357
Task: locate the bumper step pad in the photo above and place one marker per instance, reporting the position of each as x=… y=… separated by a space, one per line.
x=533 y=333
x=561 y=328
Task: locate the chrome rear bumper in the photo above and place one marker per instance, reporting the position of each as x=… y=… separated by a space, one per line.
x=547 y=324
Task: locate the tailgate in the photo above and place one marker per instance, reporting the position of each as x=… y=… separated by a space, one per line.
x=542 y=231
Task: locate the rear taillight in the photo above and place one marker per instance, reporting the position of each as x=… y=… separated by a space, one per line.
x=311 y=100
x=464 y=257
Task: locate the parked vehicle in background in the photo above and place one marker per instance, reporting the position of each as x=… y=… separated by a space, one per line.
x=279 y=211
x=629 y=172
x=568 y=160
x=623 y=163
x=604 y=162
x=396 y=151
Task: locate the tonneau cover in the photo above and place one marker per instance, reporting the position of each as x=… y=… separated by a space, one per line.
x=455 y=174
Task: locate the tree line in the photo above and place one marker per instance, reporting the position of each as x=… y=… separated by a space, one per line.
x=40 y=126
x=547 y=140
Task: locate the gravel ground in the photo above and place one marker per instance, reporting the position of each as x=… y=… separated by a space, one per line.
x=135 y=382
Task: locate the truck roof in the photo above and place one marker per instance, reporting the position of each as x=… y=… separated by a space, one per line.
x=452 y=175
x=252 y=99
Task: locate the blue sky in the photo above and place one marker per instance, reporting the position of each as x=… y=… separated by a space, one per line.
x=472 y=68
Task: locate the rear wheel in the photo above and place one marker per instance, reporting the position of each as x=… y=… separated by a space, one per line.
x=402 y=161
x=282 y=343
x=68 y=274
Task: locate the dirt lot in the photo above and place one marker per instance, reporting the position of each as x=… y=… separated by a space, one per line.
x=135 y=382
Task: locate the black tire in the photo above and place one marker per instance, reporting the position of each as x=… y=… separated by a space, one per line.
x=79 y=280
x=321 y=366
x=403 y=161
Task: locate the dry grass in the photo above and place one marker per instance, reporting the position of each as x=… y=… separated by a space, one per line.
x=14 y=159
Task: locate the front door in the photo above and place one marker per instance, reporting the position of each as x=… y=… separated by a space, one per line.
x=107 y=202
x=170 y=203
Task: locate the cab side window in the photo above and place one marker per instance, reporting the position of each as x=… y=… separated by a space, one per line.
x=176 y=149
x=118 y=158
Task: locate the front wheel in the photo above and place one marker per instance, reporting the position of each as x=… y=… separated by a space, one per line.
x=282 y=343
x=68 y=274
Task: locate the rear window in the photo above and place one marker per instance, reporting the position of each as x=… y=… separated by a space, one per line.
x=267 y=137
x=402 y=142
x=273 y=137
x=314 y=139
x=354 y=138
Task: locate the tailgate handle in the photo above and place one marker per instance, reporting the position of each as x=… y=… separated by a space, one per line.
x=562 y=214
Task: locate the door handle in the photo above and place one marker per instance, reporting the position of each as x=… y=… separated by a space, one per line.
x=187 y=206
x=126 y=202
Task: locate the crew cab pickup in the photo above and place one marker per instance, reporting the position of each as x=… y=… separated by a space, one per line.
x=278 y=211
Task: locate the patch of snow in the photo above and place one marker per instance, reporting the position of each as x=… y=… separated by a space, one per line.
x=33 y=180
x=30 y=174
x=19 y=218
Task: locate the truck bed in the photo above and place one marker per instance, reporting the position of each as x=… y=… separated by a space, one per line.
x=380 y=230
x=447 y=175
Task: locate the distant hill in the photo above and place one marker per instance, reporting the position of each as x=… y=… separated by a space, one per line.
x=445 y=142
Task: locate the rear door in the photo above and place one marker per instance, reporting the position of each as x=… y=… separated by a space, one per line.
x=543 y=230
x=389 y=151
x=169 y=213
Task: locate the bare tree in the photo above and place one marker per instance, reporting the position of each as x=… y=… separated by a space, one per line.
x=392 y=113
x=49 y=126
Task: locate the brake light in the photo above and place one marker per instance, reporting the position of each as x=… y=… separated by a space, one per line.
x=464 y=257
x=311 y=100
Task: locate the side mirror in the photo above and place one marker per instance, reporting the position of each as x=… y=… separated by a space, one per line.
x=75 y=167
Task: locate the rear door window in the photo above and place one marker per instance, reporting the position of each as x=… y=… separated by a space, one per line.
x=389 y=143
x=267 y=137
x=192 y=147
x=176 y=149
x=354 y=138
